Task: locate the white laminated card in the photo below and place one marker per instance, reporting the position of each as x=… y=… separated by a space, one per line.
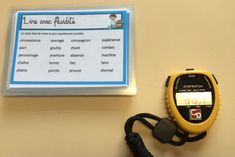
x=71 y=52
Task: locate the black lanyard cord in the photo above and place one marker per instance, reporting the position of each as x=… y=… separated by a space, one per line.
x=164 y=130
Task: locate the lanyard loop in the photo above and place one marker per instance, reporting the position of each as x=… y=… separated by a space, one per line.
x=164 y=130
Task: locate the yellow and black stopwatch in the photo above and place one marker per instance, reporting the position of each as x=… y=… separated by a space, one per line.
x=193 y=103
x=193 y=99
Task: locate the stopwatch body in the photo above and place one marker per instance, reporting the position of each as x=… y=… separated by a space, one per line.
x=192 y=100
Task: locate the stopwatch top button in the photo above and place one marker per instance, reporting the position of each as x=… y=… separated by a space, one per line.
x=167 y=81
x=215 y=79
x=189 y=69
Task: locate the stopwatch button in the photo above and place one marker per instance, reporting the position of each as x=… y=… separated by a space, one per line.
x=189 y=69
x=215 y=79
x=167 y=81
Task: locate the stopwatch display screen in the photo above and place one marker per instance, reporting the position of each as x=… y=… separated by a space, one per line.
x=194 y=97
